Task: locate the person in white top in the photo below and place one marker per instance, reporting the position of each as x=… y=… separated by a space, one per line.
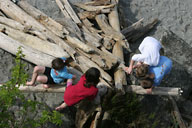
x=150 y=55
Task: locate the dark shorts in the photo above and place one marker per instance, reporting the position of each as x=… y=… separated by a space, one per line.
x=49 y=78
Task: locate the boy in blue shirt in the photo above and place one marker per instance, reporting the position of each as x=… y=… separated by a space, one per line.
x=55 y=75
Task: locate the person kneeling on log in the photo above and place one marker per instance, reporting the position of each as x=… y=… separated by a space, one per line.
x=85 y=88
x=151 y=76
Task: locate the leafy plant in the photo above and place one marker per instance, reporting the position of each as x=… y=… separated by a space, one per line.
x=16 y=111
x=125 y=111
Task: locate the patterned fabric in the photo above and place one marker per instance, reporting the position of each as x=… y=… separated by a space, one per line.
x=163 y=68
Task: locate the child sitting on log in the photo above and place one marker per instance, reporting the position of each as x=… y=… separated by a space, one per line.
x=85 y=88
x=151 y=76
x=55 y=75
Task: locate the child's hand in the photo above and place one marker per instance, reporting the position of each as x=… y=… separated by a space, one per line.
x=128 y=70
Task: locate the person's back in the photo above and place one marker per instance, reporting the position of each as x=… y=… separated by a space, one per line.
x=162 y=69
x=75 y=93
x=85 y=88
x=149 y=49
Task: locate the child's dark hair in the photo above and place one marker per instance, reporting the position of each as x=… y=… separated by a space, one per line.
x=92 y=77
x=59 y=63
x=142 y=70
x=146 y=79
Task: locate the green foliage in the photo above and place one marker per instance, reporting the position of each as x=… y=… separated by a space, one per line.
x=16 y=111
x=125 y=111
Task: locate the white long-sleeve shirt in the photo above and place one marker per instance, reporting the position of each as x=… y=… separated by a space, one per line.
x=149 y=49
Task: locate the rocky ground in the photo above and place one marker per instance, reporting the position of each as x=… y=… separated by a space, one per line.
x=173 y=15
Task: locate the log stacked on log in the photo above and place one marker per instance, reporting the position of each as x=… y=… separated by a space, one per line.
x=91 y=37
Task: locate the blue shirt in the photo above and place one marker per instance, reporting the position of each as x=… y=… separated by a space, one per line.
x=164 y=67
x=60 y=75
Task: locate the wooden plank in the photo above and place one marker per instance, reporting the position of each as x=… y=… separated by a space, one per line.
x=71 y=12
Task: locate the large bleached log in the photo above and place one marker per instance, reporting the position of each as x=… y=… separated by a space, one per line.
x=85 y=63
x=71 y=12
x=107 y=29
x=95 y=58
x=128 y=30
x=139 y=31
x=33 y=56
x=48 y=22
x=62 y=8
x=156 y=91
x=68 y=20
x=34 y=42
x=16 y=13
x=119 y=74
x=91 y=38
x=166 y=91
x=79 y=44
x=93 y=8
x=11 y=23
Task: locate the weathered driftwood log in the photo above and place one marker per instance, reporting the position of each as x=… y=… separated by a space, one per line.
x=33 y=56
x=87 y=14
x=70 y=23
x=108 y=57
x=177 y=114
x=95 y=58
x=98 y=2
x=34 y=42
x=166 y=91
x=77 y=43
x=60 y=5
x=90 y=27
x=128 y=30
x=139 y=31
x=11 y=23
x=16 y=13
x=119 y=75
x=48 y=22
x=71 y=12
x=107 y=29
x=85 y=63
x=156 y=91
x=93 y=8
x=91 y=38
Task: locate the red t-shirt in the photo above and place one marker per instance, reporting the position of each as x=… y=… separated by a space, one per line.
x=74 y=93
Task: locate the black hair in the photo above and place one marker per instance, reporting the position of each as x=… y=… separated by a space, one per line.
x=58 y=64
x=92 y=77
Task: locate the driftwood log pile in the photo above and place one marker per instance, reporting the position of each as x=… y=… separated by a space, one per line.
x=91 y=37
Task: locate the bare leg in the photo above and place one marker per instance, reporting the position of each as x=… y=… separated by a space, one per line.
x=62 y=106
x=37 y=70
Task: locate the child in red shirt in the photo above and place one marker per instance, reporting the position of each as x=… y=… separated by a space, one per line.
x=85 y=88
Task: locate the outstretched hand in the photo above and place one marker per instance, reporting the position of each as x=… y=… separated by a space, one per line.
x=128 y=70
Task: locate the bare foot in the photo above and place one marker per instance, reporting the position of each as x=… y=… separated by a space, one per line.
x=30 y=83
x=149 y=91
x=45 y=86
x=62 y=106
